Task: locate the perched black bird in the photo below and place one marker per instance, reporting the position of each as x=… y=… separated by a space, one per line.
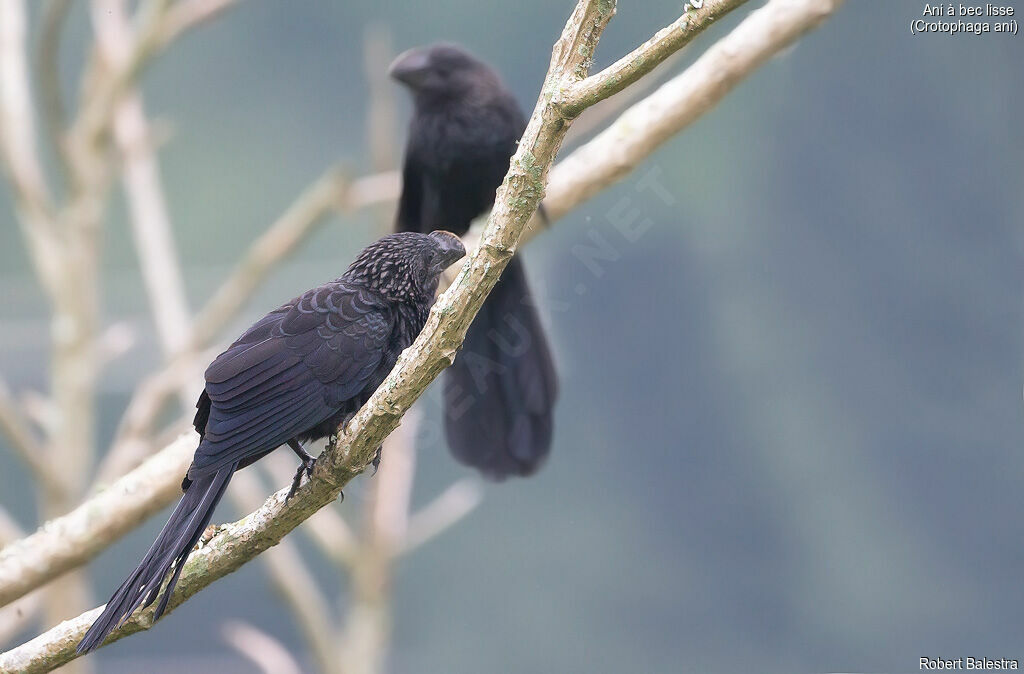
x=500 y=393
x=294 y=376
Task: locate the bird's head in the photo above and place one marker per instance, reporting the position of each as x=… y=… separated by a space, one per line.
x=406 y=266
x=448 y=250
x=442 y=71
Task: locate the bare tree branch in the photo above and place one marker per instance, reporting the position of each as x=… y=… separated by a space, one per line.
x=645 y=58
x=186 y=14
x=24 y=442
x=260 y=648
x=17 y=131
x=151 y=226
x=645 y=126
x=111 y=75
x=48 y=68
x=598 y=116
x=18 y=144
x=450 y=506
x=150 y=220
x=15 y=617
x=69 y=541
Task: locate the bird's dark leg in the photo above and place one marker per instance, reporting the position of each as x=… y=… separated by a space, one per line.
x=306 y=466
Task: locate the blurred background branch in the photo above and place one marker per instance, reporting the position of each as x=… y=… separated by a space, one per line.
x=263 y=650
x=17 y=616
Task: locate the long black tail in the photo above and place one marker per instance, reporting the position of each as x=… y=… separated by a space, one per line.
x=170 y=549
x=500 y=393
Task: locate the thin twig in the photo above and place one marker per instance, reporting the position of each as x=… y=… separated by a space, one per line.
x=187 y=14
x=259 y=648
x=15 y=617
x=450 y=506
x=110 y=76
x=18 y=146
x=644 y=58
x=600 y=114
x=619 y=149
x=24 y=442
x=55 y=15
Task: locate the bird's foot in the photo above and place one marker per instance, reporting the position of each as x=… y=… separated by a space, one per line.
x=306 y=467
x=376 y=460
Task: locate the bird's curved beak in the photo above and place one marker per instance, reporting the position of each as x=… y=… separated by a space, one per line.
x=451 y=248
x=411 y=68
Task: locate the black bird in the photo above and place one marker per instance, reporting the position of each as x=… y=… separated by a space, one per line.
x=294 y=376
x=500 y=393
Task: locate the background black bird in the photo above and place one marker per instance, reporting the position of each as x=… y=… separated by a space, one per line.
x=292 y=377
x=500 y=393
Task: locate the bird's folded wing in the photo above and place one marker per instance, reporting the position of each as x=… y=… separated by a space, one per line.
x=291 y=371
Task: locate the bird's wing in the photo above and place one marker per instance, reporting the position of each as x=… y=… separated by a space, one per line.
x=290 y=371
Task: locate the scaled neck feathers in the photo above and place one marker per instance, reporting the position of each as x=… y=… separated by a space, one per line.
x=393 y=267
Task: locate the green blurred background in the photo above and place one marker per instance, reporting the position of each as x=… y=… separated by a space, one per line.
x=789 y=434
